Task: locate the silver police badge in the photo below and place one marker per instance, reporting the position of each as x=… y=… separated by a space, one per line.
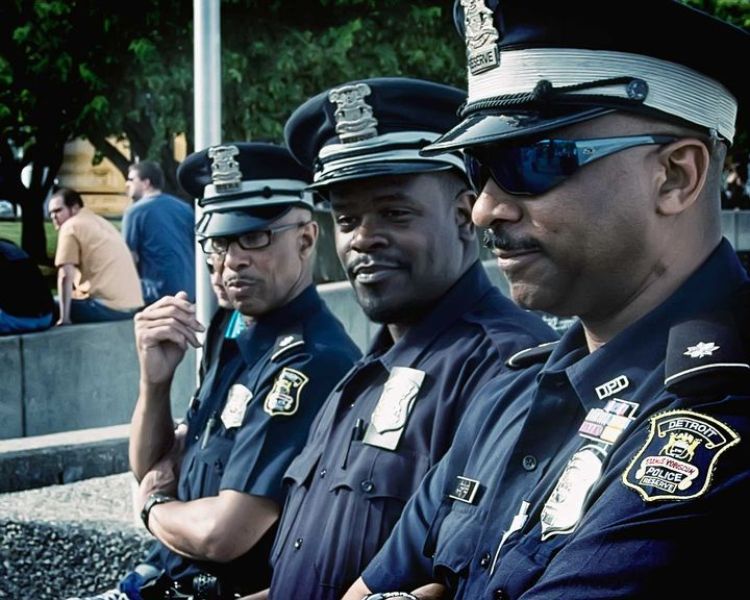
x=388 y=420
x=354 y=117
x=283 y=399
x=481 y=37
x=225 y=170
x=564 y=507
x=234 y=410
x=679 y=457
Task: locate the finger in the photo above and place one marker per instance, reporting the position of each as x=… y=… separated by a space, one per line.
x=156 y=314
x=170 y=323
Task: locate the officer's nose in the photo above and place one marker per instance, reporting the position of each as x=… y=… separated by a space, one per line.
x=368 y=235
x=495 y=205
x=235 y=258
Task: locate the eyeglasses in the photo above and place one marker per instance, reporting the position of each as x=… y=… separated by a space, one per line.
x=536 y=168
x=252 y=240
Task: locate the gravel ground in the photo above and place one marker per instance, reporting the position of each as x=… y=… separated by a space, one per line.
x=68 y=540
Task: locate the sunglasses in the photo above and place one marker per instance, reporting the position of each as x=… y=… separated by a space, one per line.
x=252 y=240
x=536 y=168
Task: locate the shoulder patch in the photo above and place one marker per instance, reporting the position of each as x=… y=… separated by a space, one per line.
x=530 y=356
x=283 y=399
x=286 y=341
x=679 y=457
x=706 y=355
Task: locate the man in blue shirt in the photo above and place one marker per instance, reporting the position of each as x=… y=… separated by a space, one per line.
x=212 y=489
x=158 y=229
x=405 y=238
x=613 y=465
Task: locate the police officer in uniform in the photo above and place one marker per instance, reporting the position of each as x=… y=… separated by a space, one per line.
x=615 y=463
x=404 y=236
x=215 y=524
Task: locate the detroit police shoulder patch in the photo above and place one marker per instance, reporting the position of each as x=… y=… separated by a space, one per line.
x=679 y=456
x=283 y=399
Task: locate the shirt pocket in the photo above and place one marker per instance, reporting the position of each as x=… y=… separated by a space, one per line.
x=211 y=462
x=367 y=500
x=297 y=479
x=457 y=529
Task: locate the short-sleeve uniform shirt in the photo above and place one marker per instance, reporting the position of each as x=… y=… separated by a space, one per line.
x=383 y=427
x=252 y=417
x=612 y=474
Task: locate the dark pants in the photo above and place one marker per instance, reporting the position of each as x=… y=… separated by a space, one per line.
x=93 y=311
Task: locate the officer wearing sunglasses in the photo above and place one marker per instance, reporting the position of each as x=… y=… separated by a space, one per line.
x=212 y=492
x=615 y=461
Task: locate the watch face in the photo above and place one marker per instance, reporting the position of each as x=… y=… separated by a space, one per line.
x=391 y=596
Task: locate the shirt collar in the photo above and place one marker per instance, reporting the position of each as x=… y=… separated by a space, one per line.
x=459 y=299
x=633 y=353
x=263 y=331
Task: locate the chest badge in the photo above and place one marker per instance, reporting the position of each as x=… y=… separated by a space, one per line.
x=564 y=507
x=283 y=399
x=679 y=456
x=701 y=349
x=388 y=420
x=234 y=409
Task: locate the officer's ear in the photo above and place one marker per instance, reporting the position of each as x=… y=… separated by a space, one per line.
x=682 y=176
x=463 y=204
x=307 y=238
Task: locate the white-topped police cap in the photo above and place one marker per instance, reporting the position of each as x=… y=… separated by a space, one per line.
x=374 y=127
x=536 y=65
x=243 y=186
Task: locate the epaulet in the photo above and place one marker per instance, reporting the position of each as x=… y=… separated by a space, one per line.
x=290 y=338
x=530 y=356
x=708 y=354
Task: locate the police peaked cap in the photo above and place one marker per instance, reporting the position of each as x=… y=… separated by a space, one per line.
x=537 y=65
x=373 y=127
x=243 y=186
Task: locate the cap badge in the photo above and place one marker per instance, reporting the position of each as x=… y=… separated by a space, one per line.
x=354 y=117
x=225 y=170
x=481 y=37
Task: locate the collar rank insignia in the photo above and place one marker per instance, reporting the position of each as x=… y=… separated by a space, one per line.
x=283 y=399
x=354 y=117
x=701 y=349
x=465 y=490
x=388 y=420
x=679 y=456
x=225 y=170
x=566 y=504
x=234 y=410
x=287 y=342
x=612 y=386
x=481 y=37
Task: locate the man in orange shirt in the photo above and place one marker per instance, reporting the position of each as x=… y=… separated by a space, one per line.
x=96 y=278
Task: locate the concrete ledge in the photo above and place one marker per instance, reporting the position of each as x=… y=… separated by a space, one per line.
x=38 y=461
x=11 y=388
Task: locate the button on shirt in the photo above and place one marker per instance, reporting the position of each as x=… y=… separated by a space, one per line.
x=346 y=493
x=635 y=534
x=250 y=453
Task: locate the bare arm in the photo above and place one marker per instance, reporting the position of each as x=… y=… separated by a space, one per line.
x=217 y=529
x=163 y=332
x=357 y=591
x=65 y=276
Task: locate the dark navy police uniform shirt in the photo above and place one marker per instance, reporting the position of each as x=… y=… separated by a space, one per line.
x=616 y=474
x=251 y=417
x=390 y=419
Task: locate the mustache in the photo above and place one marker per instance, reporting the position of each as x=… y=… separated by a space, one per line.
x=499 y=240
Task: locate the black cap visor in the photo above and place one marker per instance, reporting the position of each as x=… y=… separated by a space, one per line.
x=487 y=127
x=233 y=222
x=379 y=169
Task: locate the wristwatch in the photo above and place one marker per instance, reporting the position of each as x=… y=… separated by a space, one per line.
x=391 y=596
x=152 y=501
